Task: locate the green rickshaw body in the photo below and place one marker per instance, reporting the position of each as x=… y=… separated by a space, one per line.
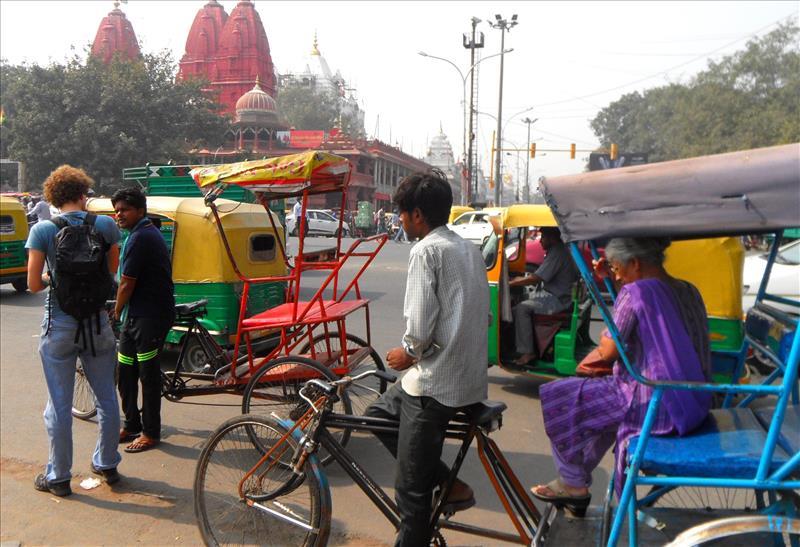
x=200 y=266
x=13 y=235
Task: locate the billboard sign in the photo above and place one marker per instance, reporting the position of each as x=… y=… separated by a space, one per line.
x=598 y=162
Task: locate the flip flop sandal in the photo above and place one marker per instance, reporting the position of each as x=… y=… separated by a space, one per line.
x=126 y=436
x=141 y=444
x=577 y=505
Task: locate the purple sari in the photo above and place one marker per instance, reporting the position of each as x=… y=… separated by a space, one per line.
x=664 y=328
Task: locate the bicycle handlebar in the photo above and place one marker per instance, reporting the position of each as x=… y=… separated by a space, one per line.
x=331 y=387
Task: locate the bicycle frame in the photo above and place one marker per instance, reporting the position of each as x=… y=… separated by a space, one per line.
x=518 y=505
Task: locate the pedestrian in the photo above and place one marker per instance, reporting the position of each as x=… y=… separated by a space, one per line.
x=71 y=302
x=41 y=209
x=146 y=306
x=399 y=233
x=380 y=222
x=443 y=353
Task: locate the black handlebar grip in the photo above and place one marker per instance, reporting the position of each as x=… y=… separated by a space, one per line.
x=383 y=375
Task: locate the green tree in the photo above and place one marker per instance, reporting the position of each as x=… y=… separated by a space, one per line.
x=307 y=109
x=747 y=100
x=103 y=118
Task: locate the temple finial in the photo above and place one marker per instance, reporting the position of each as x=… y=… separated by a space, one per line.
x=315 y=48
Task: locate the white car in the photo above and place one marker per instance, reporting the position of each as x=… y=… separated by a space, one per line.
x=784 y=280
x=474 y=225
x=319 y=223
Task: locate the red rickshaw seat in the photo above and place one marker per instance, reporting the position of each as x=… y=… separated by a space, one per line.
x=282 y=316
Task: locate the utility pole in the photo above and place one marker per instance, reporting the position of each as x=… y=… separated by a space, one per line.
x=527 y=193
x=472 y=45
x=503 y=25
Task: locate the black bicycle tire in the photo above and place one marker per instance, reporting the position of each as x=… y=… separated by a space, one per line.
x=320 y=495
x=327 y=373
x=81 y=380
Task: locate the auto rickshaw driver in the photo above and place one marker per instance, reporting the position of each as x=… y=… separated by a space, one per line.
x=555 y=278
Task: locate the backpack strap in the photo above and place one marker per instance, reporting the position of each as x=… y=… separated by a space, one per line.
x=60 y=222
x=90 y=219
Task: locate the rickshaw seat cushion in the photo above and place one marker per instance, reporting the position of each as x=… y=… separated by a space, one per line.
x=727 y=445
x=282 y=316
x=789 y=436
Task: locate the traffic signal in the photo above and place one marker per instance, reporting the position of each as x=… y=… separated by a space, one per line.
x=613 y=154
x=533 y=149
x=572 y=151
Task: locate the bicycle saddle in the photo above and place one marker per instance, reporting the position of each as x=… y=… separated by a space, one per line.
x=484 y=413
x=189 y=308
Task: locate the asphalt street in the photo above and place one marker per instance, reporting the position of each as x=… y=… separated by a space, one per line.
x=153 y=503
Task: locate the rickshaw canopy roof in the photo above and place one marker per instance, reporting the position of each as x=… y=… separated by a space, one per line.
x=528 y=214
x=11 y=204
x=751 y=191
x=282 y=176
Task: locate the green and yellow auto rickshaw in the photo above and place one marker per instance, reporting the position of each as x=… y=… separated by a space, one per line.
x=201 y=268
x=714 y=266
x=13 y=234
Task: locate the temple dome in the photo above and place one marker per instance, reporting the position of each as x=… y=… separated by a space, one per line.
x=115 y=36
x=257 y=107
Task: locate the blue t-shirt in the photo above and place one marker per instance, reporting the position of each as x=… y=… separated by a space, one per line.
x=145 y=257
x=43 y=238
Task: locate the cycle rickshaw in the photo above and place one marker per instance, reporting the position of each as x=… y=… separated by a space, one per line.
x=741 y=468
x=276 y=348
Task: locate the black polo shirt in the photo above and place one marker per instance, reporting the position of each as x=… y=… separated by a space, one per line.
x=146 y=259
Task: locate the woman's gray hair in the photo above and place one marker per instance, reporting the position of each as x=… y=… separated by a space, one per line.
x=646 y=249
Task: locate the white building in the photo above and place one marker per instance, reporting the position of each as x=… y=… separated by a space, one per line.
x=440 y=155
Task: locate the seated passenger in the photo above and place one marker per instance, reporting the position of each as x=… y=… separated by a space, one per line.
x=556 y=275
x=662 y=322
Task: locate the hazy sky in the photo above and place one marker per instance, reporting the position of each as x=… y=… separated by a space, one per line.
x=570 y=59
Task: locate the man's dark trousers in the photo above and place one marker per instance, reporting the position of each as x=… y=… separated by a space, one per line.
x=140 y=346
x=418 y=449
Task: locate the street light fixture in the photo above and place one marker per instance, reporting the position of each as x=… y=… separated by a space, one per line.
x=503 y=25
x=464 y=77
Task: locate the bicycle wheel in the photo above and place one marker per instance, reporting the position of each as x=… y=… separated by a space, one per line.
x=296 y=516
x=708 y=499
x=84 y=405
x=275 y=388
x=367 y=390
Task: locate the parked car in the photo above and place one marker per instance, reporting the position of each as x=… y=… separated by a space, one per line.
x=784 y=279
x=474 y=225
x=320 y=222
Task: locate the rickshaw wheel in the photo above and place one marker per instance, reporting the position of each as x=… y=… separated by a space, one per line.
x=226 y=518
x=708 y=499
x=83 y=403
x=275 y=389
x=366 y=391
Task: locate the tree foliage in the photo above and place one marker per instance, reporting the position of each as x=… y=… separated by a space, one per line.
x=103 y=118
x=747 y=100
x=321 y=110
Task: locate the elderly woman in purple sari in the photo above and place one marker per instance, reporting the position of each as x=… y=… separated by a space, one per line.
x=663 y=324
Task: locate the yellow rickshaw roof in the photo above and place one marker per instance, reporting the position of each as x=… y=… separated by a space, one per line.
x=8 y=202
x=171 y=206
x=526 y=214
x=285 y=176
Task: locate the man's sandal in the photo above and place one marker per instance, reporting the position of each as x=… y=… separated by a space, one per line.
x=141 y=444
x=126 y=436
x=576 y=505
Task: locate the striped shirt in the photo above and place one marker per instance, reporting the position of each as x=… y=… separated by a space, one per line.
x=446 y=311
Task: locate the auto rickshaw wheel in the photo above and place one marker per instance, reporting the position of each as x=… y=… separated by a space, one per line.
x=20 y=285
x=275 y=389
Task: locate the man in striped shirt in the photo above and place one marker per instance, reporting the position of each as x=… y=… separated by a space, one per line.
x=443 y=352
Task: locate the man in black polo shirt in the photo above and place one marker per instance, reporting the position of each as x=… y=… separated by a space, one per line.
x=146 y=307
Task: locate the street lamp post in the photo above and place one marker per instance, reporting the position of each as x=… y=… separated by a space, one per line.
x=464 y=90
x=503 y=25
x=472 y=45
x=527 y=192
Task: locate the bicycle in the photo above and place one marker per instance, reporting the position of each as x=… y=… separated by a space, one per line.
x=259 y=481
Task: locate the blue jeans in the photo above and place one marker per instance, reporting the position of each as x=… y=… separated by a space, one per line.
x=59 y=353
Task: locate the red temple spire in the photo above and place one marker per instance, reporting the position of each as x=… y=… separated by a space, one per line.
x=115 y=36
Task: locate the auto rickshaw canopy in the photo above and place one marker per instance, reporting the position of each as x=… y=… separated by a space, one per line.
x=750 y=191
x=198 y=255
x=282 y=176
x=528 y=214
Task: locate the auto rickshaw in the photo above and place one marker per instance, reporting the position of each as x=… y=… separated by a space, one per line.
x=200 y=266
x=713 y=265
x=13 y=234
x=456 y=211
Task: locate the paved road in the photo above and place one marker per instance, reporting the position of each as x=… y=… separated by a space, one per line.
x=153 y=503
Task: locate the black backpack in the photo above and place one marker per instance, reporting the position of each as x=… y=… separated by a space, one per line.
x=82 y=280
